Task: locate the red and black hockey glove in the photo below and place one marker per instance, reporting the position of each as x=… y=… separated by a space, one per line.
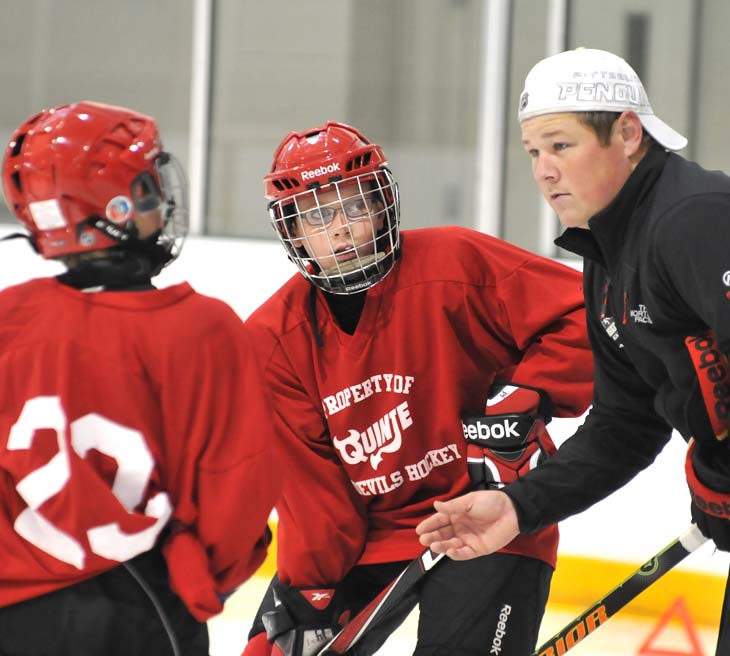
x=708 y=477
x=510 y=438
x=303 y=619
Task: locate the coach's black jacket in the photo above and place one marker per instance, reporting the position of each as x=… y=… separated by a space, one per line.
x=657 y=270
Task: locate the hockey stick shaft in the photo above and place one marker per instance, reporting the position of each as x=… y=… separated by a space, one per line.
x=595 y=616
x=382 y=605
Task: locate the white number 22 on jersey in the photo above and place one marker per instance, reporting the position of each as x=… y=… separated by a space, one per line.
x=134 y=467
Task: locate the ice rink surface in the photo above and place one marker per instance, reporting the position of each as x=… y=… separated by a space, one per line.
x=622 y=635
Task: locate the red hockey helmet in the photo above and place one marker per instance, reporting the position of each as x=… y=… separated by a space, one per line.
x=78 y=175
x=329 y=158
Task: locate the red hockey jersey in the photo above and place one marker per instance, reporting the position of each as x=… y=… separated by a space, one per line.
x=122 y=413
x=370 y=422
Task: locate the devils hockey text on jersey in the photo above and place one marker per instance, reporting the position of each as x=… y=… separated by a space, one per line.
x=413 y=472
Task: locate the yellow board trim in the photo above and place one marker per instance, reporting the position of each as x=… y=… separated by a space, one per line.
x=268 y=567
x=579 y=582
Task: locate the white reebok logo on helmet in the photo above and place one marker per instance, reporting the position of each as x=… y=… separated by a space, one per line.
x=320 y=170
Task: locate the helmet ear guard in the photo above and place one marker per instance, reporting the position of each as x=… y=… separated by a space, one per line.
x=80 y=177
x=326 y=159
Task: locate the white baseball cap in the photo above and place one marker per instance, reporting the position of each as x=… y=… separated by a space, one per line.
x=588 y=80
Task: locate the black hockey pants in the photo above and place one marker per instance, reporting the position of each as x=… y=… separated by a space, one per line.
x=112 y=614
x=487 y=606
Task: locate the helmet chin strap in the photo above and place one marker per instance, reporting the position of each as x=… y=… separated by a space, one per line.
x=129 y=265
x=149 y=248
x=111 y=230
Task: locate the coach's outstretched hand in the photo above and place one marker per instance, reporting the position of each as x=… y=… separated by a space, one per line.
x=475 y=524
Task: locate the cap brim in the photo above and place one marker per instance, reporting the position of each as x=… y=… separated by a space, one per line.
x=662 y=132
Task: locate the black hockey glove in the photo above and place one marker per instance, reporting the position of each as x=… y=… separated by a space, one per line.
x=708 y=477
x=510 y=438
x=303 y=620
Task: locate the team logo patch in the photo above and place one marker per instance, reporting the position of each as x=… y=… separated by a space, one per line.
x=87 y=238
x=523 y=100
x=119 y=209
x=641 y=314
x=320 y=599
x=726 y=278
x=382 y=436
x=609 y=325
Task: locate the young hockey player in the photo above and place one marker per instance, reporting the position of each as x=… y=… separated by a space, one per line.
x=135 y=465
x=652 y=229
x=380 y=357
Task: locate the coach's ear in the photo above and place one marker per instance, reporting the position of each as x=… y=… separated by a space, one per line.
x=630 y=130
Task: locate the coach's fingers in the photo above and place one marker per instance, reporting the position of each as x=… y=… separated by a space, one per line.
x=457 y=506
x=435 y=537
x=452 y=545
x=437 y=525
